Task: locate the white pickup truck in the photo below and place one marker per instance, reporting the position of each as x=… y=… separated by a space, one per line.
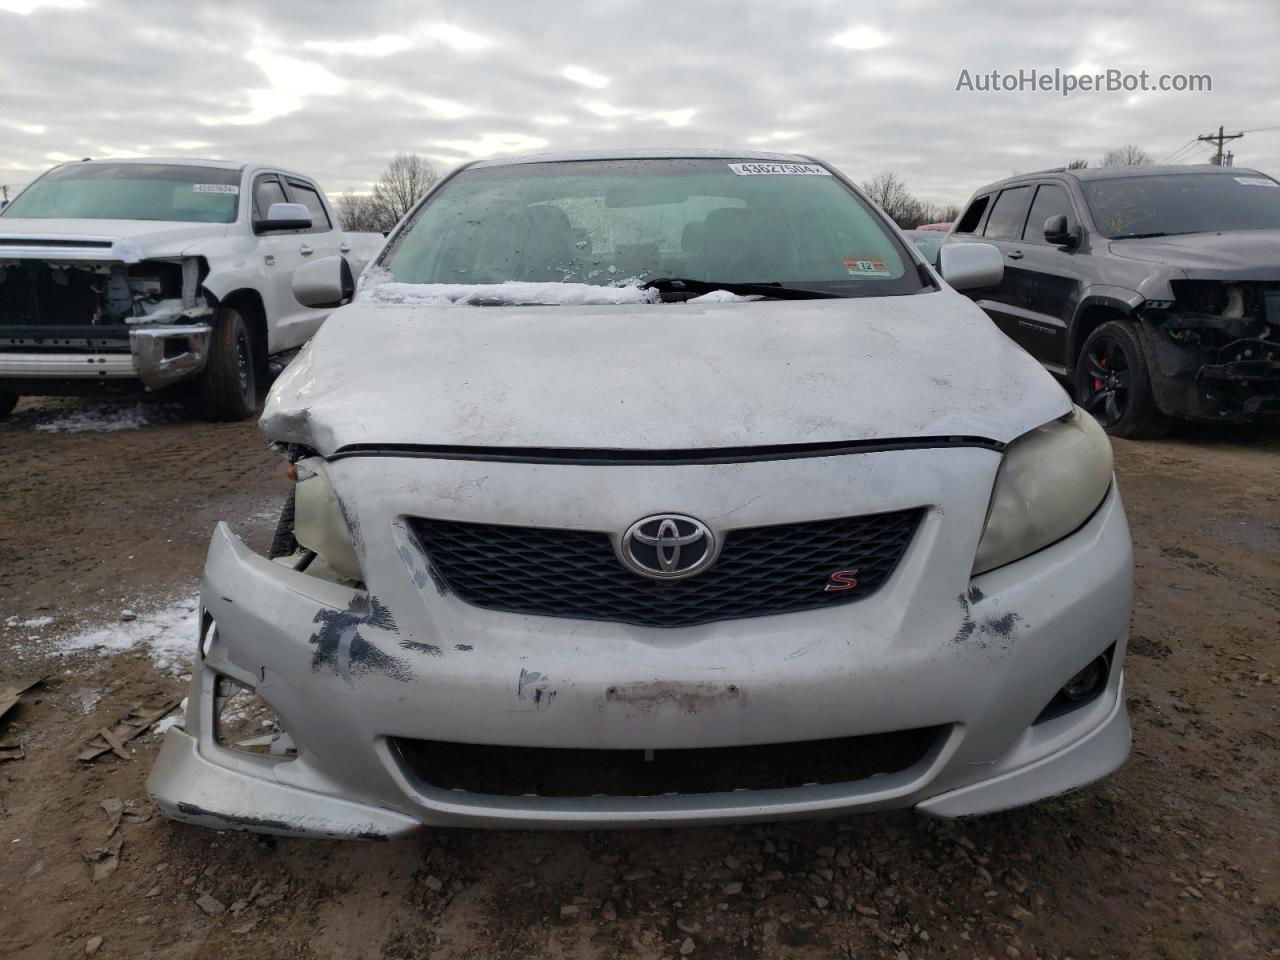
x=120 y=274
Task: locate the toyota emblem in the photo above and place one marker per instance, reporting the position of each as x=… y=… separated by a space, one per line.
x=668 y=546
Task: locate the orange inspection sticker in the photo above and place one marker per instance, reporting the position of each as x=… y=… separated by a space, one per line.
x=865 y=267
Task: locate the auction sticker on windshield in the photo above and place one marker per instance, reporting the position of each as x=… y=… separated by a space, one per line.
x=1256 y=182
x=865 y=267
x=792 y=169
x=215 y=188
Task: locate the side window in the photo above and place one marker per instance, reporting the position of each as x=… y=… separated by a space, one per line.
x=266 y=191
x=973 y=216
x=1050 y=201
x=310 y=198
x=1008 y=215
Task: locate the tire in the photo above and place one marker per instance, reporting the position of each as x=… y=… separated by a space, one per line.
x=283 y=543
x=7 y=402
x=227 y=387
x=1113 y=382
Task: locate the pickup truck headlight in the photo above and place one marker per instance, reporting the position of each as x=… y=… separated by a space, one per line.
x=318 y=524
x=1051 y=481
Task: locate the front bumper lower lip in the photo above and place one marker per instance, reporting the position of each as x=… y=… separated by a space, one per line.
x=148 y=359
x=183 y=781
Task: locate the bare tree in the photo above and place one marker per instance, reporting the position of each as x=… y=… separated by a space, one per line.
x=1078 y=165
x=888 y=190
x=360 y=212
x=1130 y=155
x=407 y=177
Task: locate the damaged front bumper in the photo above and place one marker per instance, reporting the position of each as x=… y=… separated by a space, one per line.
x=354 y=677
x=156 y=354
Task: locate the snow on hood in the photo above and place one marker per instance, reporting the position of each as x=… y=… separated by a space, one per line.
x=132 y=240
x=511 y=293
x=660 y=376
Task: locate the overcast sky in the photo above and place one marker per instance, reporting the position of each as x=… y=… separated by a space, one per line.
x=334 y=88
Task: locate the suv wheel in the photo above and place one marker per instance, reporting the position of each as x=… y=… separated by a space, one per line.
x=228 y=384
x=7 y=402
x=1113 y=383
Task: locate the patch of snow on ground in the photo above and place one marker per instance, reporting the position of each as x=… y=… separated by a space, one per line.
x=33 y=622
x=169 y=634
x=105 y=418
x=175 y=719
x=512 y=293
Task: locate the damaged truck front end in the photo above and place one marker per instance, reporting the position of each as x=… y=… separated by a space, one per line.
x=1216 y=348
x=79 y=313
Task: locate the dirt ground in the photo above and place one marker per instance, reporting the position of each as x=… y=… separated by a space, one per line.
x=1175 y=856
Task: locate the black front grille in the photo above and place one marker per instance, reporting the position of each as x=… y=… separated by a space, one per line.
x=551 y=772
x=576 y=574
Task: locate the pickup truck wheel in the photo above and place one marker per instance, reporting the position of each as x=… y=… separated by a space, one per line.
x=7 y=402
x=1113 y=382
x=227 y=386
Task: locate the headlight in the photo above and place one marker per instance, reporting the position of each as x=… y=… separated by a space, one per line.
x=318 y=523
x=1051 y=481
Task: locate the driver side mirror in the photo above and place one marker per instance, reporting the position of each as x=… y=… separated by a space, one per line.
x=323 y=283
x=1057 y=230
x=284 y=216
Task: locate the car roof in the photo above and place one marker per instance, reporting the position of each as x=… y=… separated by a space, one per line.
x=1118 y=173
x=649 y=153
x=175 y=161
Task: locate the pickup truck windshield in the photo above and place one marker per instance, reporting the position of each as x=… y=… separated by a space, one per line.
x=624 y=222
x=131 y=191
x=1168 y=204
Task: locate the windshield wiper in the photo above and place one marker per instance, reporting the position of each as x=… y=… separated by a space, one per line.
x=775 y=290
x=1148 y=236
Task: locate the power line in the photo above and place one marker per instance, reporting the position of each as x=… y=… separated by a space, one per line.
x=1170 y=157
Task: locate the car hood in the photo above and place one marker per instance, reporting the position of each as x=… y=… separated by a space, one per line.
x=128 y=240
x=1230 y=255
x=660 y=376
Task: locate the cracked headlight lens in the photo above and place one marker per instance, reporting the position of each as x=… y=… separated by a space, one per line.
x=319 y=525
x=1051 y=481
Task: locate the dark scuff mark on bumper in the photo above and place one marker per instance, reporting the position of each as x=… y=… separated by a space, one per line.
x=532 y=685
x=985 y=631
x=340 y=645
x=242 y=822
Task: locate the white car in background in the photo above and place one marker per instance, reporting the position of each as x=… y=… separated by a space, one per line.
x=119 y=274
x=659 y=488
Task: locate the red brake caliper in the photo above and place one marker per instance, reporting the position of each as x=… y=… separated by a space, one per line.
x=1102 y=362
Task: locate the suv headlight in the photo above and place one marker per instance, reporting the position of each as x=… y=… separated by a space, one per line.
x=319 y=525
x=1051 y=481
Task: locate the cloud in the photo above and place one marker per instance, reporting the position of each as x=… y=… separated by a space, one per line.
x=860 y=38
x=588 y=78
x=333 y=90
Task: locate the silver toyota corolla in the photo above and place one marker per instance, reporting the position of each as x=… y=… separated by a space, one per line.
x=658 y=488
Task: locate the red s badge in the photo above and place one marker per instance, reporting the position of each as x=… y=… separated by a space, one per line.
x=841 y=580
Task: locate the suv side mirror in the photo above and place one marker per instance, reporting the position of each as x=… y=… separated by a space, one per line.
x=284 y=216
x=967 y=266
x=323 y=283
x=1057 y=230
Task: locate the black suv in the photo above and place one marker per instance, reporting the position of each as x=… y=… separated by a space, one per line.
x=1154 y=291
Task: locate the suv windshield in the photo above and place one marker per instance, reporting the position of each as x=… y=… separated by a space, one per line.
x=1166 y=204
x=131 y=191
x=625 y=222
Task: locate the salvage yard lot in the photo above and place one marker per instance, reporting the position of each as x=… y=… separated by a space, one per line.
x=102 y=536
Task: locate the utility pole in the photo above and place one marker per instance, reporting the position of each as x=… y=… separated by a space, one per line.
x=1219 y=138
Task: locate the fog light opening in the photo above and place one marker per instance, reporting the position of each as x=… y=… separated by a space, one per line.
x=1083 y=687
x=245 y=723
x=1088 y=683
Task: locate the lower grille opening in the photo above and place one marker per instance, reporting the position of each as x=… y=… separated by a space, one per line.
x=551 y=772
